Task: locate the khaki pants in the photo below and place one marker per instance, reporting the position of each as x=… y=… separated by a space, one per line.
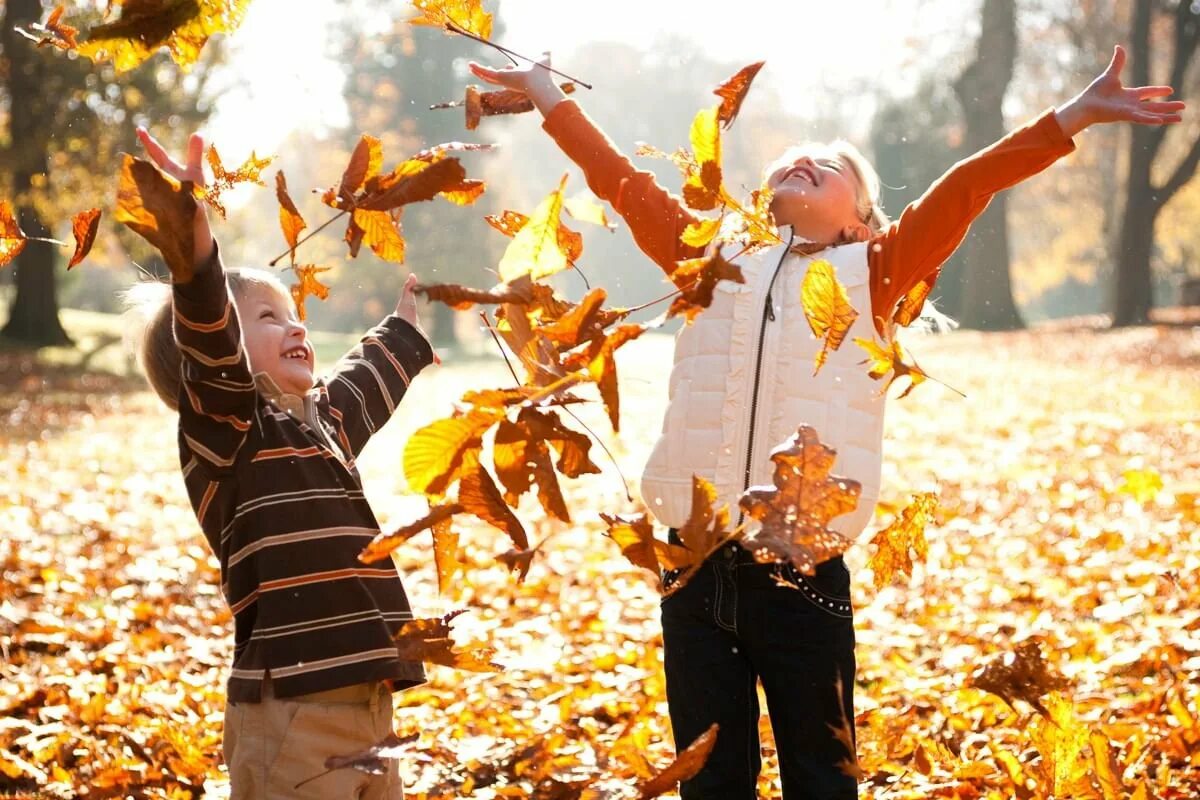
x=273 y=745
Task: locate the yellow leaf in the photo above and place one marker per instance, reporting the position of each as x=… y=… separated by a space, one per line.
x=535 y=250
x=1143 y=484
x=381 y=232
x=827 y=307
x=705 y=136
x=466 y=14
x=1061 y=740
x=905 y=534
x=181 y=26
x=700 y=233
x=585 y=209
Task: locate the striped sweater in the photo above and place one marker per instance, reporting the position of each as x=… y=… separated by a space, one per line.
x=274 y=486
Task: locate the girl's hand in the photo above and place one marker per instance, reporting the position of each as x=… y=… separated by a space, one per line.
x=1108 y=100
x=193 y=171
x=533 y=79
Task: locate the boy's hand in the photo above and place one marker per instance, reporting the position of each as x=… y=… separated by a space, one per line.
x=533 y=79
x=192 y=171
x=406 y=307
x=1108 y=100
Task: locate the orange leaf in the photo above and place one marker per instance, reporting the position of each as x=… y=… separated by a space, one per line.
x=384 y=543
x=479 y=496
x=429 y=640
x=84 y=226
x=466 y=14
x=795 y=513
x=1020 y=675
x=365 y=162
x=519 y=561
x=826 y=307
x=53 y=31
x=602 y=366
x=463 y=297
x=890 y=358
x=489 y=104
x=434 y=455
x=445 y=554
x=414 y=181
x=521 y=460
x=249 y=172
x=160 y=210
x=697 y=279
x=1061 y=738
x=290 y=221
x=511 y=222
x=12 y=238
x=145 y=26
x=308 y=285
x=911 y=304
x=683 y=768
x=381 y=232
x=733 y=91
x=906 y=533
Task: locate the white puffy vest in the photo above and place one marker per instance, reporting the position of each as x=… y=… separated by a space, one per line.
x=743 y=382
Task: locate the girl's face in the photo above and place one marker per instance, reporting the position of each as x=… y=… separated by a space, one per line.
x=817 y=195
x=276 y=341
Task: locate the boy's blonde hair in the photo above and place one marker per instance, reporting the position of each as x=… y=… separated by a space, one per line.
x=150 y=307
x=866 y=180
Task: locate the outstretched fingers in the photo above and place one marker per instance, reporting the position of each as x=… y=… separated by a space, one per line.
x=159 y=155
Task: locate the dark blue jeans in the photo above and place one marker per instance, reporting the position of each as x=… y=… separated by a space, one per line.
x=734 y=624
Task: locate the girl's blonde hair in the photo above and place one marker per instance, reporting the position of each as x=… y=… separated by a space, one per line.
x=866 y=180
x=150 y=309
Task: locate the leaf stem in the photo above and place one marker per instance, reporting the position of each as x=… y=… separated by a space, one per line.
x=512 y=56
x=308 y=236
x=487 y=323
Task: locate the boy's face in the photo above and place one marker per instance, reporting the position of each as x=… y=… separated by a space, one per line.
x=276 y=341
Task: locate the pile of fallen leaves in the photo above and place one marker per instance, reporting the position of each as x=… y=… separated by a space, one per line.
x=1048 y=646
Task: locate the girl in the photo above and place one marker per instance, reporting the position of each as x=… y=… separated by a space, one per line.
x=268 y=459
x=742 y=383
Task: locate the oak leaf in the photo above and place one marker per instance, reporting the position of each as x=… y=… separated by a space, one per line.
x=429 y=640
x=308 y=286
x=384 y=543
x=144 y=26
x=160 y=210
x=733 y=92
x=290 y=221
x=906 y=534
x=1019 y=675
x=826 y=307
x=223 y=180
x=795 y=513
x=12 y=238
x=889 y=357
x=685 y=766
x=466 y=14
x=535 y=249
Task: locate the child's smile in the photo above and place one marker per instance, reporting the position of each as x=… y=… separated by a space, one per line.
x=276 y=342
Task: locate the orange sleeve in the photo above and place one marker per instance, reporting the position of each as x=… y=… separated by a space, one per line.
x=913 y=248
x=656 y=218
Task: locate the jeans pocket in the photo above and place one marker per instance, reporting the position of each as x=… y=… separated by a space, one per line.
x=828 y=589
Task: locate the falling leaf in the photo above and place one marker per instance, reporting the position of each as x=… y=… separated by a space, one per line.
x=12 y=238
x=698 y=279
x=373 y=761
x=895 y=542
x=53 y=31
x=700 y=232
x=181 y=26
x=290 y=221
x=84 y=226
x=308 y=286
x=434 y=455
x=519 y=561
x=510 y=224
x=1142 y=484
x=889 y=357
x=702 y=189
x=585 y=209
x=160 y=210
x=384 y=543
x=445 y=554
x=1108 y=768
x=1019 y=675
x=479 y=496
x=683 y=768
x=414 y=181
x=1061 y=739
x=463 y=297
x=733 y=91
x=535 y=250
x=795 y=513
x=466 y=14
x=365 y=162
x=522 y=457
x=381 y=232
x=249 y=172
x=911 y=304
x=429 y=640
x=494 y=103
x=826 y=307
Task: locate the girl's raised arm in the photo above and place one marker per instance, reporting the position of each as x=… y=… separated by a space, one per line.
x=656 y=218
x=913 y=248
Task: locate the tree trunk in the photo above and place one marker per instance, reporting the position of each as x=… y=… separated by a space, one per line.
x=33 y=316
x=987 y=298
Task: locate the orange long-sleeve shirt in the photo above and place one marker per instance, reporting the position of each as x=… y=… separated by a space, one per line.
x=909 y=250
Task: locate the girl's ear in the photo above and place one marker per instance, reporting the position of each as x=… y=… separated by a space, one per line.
x=858 y=232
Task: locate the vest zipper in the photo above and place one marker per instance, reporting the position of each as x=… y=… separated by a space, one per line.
x=768 y=315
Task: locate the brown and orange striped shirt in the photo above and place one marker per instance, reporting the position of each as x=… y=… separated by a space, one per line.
x=278 y=497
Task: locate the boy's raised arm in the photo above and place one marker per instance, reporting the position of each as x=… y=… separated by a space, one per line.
x=656 y=218
x=366 y=384
x=217 y=395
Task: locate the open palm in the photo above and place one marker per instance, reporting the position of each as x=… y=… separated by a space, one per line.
x=1108 y=100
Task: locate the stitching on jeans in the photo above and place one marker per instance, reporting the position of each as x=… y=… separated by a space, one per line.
x=839 y=609
x=721 y=596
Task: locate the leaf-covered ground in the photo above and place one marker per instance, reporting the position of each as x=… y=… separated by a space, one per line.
x=114 y=638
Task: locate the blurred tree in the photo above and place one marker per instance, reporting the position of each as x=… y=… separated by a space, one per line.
x=987 y=302
x=1145 y=196
x=67 y=122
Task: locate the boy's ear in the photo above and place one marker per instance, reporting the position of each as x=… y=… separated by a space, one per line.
x=858 y=232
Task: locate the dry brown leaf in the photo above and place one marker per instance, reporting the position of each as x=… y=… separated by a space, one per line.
x=290 y=221
x=144 y=26
x=84 y=226
x=795 y=513
x=160 y=210
x=428 y=640
x=479 y=496
x=12 y=238
x=895 y=542
x=698 y=279
x=733 y=92
x=463 y=297
x=384 y=543
x=53 y=31
x=249 y=172
x=1022 y=674
x=308 y=286
x=684 y=767
x=445 y=554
